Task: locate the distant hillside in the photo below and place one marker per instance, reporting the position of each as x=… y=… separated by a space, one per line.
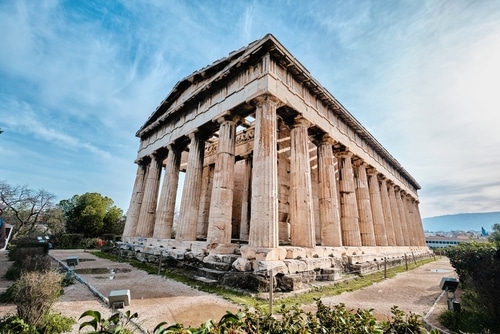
x=462 y=222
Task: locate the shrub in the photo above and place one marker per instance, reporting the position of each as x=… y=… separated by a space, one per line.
x=478 y=269
x=89 y=243
x=336 y=319
x=13 y=324
x=56 y=323
x=34 y=294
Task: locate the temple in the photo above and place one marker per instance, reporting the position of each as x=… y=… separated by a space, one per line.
x=278 y=178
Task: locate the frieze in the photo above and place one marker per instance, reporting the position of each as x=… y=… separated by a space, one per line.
x=242 y=137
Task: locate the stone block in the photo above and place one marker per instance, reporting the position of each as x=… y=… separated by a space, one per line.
x=219 y=266
x=216 y=248
x=329 y=274
x=194 y=256
x=319 y=263
x=295 y=252
x=221 y=258
x=242 y=264
x=295 y=266
x=263 y=254
x=177 y=254
x=277 y=267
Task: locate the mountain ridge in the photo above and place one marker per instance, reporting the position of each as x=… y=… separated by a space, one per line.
x=462 y=222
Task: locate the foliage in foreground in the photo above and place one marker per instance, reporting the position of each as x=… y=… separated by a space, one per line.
x=336 y=319
x=478 y=269
x=36 y=288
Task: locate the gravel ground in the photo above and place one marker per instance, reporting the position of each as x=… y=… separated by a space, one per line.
x=157 y=299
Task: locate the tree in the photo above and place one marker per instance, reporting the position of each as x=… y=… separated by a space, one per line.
x=26 y=209
x=90 y=214
x=495 y=235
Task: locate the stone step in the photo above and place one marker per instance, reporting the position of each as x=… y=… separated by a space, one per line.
x=211 y=274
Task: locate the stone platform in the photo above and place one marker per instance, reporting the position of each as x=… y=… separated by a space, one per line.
x=249 y=268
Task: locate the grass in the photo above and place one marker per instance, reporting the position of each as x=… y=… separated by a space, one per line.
x=350 y=283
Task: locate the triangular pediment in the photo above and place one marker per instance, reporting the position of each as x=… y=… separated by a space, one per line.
x=200 y=81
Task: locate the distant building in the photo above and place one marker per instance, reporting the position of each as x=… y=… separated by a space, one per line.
x=443 y=242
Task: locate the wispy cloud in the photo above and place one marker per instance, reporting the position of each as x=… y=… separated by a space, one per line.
x=82 y=77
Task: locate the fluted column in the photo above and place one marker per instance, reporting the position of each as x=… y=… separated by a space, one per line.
x=205 y=199
x=364 y=206
x=377 y=209
x=190 y=200
x=329 y=213
x=409 y=219
x=349 y=221
x=221 y=205
x=396 y=219
x=419 y=224
x=245 y=200
x=301 y=201
x=386 y=206
x=166 y=206
x=402 y=216
x=264 y=205
x=148 y=208
x=134 y=207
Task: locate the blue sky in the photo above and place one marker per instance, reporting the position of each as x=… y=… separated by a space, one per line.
x=78 y=79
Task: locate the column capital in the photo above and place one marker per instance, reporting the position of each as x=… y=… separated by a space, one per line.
x=266 y=98
x=160 y=153
x=360 y=162
x=301 y=121
x=382 y=177
x=324 y=139
x=371 y=171
x=343 y=152
x=229 y=118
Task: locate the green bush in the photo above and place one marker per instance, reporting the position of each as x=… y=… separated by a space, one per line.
x=68 y=241
x=13 y=324
x=478 y=269
x=89 y=243
x=54 y=323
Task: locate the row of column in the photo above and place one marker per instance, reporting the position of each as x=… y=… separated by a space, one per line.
x=365 y=210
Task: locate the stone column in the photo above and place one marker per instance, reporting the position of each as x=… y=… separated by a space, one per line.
x=166 y=206
x=329 y=213
x=264 y=205
x=136 y=200
x=221 y=205
x=364 y=206
x=409 y=219
x=402 y=216
x=301 y=200
x=418 y=224
x=396 y=219
x=190 y=200
x=245 y=200
x=349 y=220
x=148 y=208
x=205 y=199
x=386 y=206
x=377 y=209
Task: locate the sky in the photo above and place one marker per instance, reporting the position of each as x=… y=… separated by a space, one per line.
x=79 y=78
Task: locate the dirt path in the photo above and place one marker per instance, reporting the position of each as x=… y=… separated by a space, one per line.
x=157 y=299
x=413 y=291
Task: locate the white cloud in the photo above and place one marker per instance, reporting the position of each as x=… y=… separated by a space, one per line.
x=422 y=76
